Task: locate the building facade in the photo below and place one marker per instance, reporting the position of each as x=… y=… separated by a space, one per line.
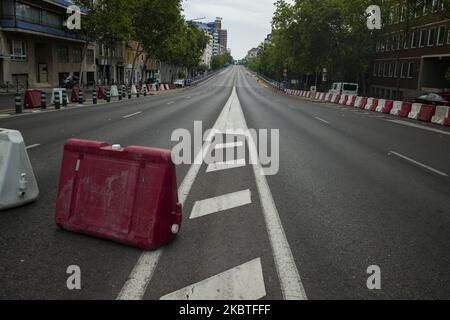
x=413 y=54
x=36 y=50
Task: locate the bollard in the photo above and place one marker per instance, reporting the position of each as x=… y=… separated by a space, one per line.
x=18 y=100
x=108 y=95
x=80 y=96
x=145 y=90
x=64 y=98
x=43 y=100
x=120 y=93
x=129 y=93
x=94 y=96
x=124 y=92
x=57 y=101
x=138 y=93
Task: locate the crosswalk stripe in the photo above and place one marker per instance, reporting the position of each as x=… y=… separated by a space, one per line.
x=221 y=203
x=245 y=282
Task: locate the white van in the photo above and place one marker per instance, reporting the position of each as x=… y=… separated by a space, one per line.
x=343 y=88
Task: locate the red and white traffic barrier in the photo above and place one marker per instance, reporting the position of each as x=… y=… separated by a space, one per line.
x=442 y=116
x=415 y=110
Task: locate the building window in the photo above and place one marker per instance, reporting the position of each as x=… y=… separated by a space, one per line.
x=407 y=41
x=77 y=55
x=385 y=70
x=63 y=54
x=396 y=70
x=448 y=36
x=423 y=38
x=391 y=70
x=18 y=50
x=375 y=68
x=431 y=37
x=441 y=36
x=51 y=19
x=90 y=57
x=410 y=70
x=403 y=70
x=380 y=70
x=28 y=13
x=414 y=39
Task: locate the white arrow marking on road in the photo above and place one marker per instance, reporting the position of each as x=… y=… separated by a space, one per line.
x=33 y=146
x=245 y=282
x=232 y=164
x=222 y=203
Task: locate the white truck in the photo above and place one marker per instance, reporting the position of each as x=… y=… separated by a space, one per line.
x=344 y=88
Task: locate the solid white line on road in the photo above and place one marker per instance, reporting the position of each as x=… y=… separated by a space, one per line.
x=33 y=146
x=222 y=203
x=324 y=121
x=140 y=277
x=245 y=282
x=290 y=280
x=418 y=126
x=220 y=166
x=237 y=144
x=418 y=163
x=132 y=115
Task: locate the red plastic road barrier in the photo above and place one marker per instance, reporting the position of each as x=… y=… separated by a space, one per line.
x=74 y=95
x=345 y=100
x=363 y=102
x=406 y=109
x=352 y=104
x=128 y=195
x=101 y=93
x=32 y=99
x=338 y=98
x=427 y=112
x=374 y=105
x=388 y=106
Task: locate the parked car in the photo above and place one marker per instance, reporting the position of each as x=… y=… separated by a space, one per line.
x=433 y=99
x=343 y=88
x=70 y=82
x=180 y=83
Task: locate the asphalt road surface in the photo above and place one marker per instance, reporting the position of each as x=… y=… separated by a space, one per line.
x=354 y=189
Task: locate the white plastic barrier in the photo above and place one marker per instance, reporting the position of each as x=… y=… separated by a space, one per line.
x=415 y=110
x=333 y=98
x=369 y=103
x=381 y=104
x=167 y=86
x=133 y=89
x=342 y=100
x=349 y=101
x=322 y=96
x=114 y=91
x=162 y=87
x=18 y=184
x=60 y=92
x=442 y=113
x=396 y=108
x=358 y=102
x=154 y=87
x=327 y=97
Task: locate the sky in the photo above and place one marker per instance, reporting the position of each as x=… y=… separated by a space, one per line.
x=248 y=21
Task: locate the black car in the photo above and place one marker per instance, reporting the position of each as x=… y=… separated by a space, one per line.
x=433 y=99
x=70 y=82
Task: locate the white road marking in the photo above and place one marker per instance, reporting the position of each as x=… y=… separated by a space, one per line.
x=324 y=121
x=140 y=277
x=245 y=282
x=419 y=164
x=221 y=203
x=418 y=126
x=290 y=280
x=32 y=146
x=220 y=166
x=237 y=144
x=171 y=102
x=132 y=115
x=4 y=115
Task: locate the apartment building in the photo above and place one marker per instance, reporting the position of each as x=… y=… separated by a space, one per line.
x=36 y=50
x=413 y=54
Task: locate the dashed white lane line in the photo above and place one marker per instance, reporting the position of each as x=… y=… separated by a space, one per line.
x=228 y=145
x=290 y=280
x=245 y=282
x=322 y=120
x=221 y=203
x=136 y=285
x=418 y=126
x=171 y=102
x=419 y=164
x=220 y=166
x=32 y=146
x=132 y=115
